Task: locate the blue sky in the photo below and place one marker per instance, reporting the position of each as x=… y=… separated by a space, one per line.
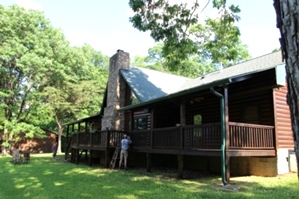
x=105 y=24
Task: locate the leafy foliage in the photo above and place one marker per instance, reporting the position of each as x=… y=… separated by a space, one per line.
x=168 y=23
x=28 y=44
x=184 y=38
x=44 y=81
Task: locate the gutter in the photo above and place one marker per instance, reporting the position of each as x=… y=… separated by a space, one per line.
x=223 y=135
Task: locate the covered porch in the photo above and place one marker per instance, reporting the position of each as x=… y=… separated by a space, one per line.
x=241 y=139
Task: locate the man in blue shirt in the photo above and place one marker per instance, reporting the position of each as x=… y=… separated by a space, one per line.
x=124 y=150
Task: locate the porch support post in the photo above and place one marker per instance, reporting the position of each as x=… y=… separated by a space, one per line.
x=107 y=159
x=77 y=144
x=66 y=142
x=91 y=137
x=77 y=156
x=86 y=127
x=227 y=134
x=131 y=121
x=148 y=155
x=180 y=166
x=148 y=162
x=183 y=122
x=86 y=154
x=72 y=155
x=90 y=158
x=107 y=151
x=152 y=127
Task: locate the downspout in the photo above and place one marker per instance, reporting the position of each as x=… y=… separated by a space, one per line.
x=223 y=135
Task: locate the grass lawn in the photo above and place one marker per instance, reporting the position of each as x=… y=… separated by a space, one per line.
x=44 y=178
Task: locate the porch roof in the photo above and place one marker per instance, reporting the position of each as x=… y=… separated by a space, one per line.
x=149 y=85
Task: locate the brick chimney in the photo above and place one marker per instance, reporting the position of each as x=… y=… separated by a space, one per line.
x=112 y=119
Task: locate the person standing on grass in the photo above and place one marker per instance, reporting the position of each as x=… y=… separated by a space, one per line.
x=124 y=150
x=54 y=150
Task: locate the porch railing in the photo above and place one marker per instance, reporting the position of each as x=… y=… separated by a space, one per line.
x=166 y=137
x=250 y=136
x=205 y=136
x=98 y=139
x=141 y=138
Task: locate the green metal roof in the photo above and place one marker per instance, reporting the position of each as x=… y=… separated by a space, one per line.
x=248 y=67
x=152 y=86
x=149 y=84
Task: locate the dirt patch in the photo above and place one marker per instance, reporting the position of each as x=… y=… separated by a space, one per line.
x=173 y=173
x=228 y=187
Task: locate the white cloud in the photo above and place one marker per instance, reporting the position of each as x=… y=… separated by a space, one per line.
x=29 y=4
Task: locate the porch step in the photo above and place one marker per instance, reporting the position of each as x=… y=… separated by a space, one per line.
x=115 y=157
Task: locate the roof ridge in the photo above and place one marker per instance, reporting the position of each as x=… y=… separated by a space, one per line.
x=236 y=65
x=164 y=72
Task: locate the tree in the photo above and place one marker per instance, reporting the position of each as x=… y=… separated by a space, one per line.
x=75 y=90
x=176 y=25
x=96 y=58
x=287 y=12
x=154 y=60
x=220 y=42
x=27 y=43
x=191 y=67
x=43 y=80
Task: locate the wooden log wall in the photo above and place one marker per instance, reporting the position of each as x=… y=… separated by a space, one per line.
x=254 y=92
x=208 y=107
x=283 y=120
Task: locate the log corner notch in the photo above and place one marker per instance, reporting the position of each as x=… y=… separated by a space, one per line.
x=287 y=20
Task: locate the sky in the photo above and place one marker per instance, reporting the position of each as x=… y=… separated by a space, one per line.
x=104 y=24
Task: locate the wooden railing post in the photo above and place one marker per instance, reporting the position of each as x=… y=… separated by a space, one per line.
x=148 y=162
x=107 y=138
x=151 y=138
x=91 y=139
x=66 y=142
x=182 y=136
x=152 y=129
x=182 y=122
x=77 y=144
x=107 y=151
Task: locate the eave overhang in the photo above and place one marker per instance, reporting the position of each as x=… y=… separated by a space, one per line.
x=178 y=94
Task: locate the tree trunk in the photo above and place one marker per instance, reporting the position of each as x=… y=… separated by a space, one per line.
x=287 y=12
x=5 y=138
x=60 y=130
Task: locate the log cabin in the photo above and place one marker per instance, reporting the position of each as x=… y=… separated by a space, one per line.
x=234 y=121
x=33 y=145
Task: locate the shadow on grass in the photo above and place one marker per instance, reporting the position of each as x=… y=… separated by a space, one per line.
x=45 y=178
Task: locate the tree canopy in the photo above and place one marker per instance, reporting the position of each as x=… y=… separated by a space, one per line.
x=43 y=79
x=176 y=25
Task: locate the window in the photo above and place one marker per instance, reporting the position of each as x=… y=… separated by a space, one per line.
x=140 y=123
x=251 y=114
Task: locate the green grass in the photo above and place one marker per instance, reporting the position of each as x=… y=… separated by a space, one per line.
x=43 y=178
